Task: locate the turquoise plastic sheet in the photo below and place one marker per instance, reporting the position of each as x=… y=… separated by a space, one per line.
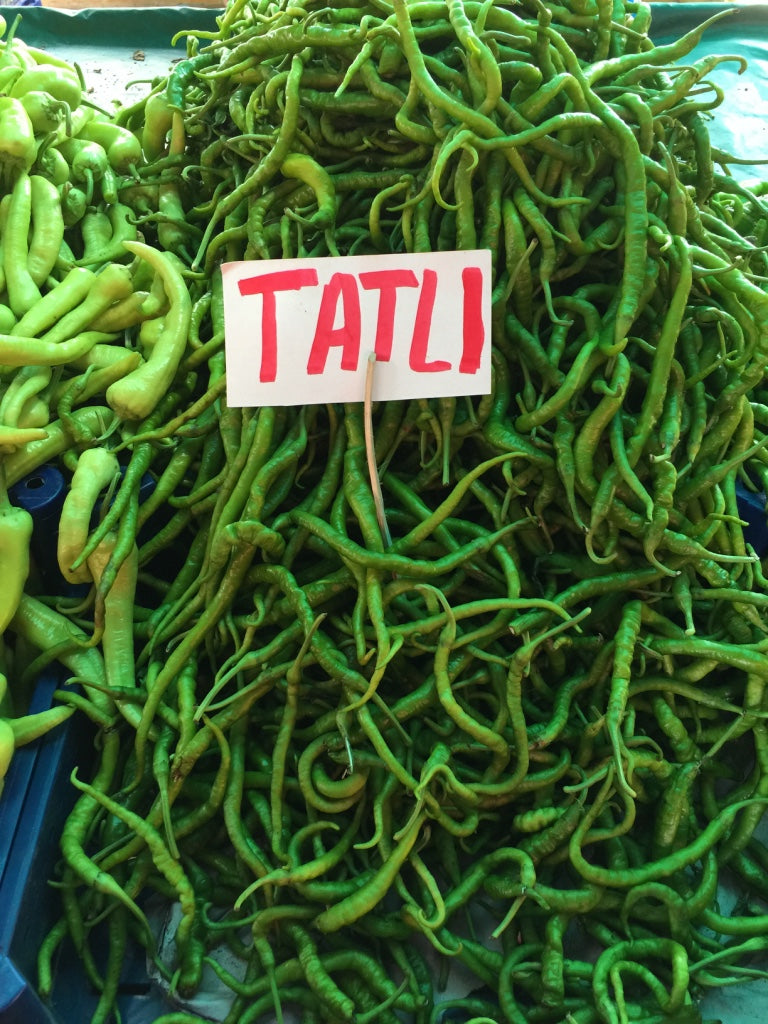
x=740 y=124
x=120 y=51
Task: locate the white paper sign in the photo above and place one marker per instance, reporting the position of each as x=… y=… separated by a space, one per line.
x=300 y=332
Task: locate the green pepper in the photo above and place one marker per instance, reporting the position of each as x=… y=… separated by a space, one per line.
x=74 y=203
x=8 y=76
x=18 y=149
x=51 y=163
x=7 y=747
x=45 y=112
x=136 y=395
x=89 y=164
x=47 y=228
x=122 y=147
x=15 y=537
x=158 y=117
x=13 y=53
x=120 y=227
x=96 y=469
x=181 y=76
x=56 y=81
x=23 y=293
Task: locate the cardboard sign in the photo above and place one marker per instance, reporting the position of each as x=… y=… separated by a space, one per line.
x=300 y=332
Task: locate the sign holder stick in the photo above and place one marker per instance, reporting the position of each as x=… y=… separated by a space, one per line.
x=370 y=452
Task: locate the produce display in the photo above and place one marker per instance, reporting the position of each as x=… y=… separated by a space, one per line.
x=507 y=722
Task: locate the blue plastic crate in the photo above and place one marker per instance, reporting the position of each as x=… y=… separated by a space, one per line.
x=36 y=800
x=752 y=509
x=28 y=810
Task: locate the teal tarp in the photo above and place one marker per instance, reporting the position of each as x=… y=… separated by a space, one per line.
x=119 y=50
x=118 y=46
x=740 y=123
